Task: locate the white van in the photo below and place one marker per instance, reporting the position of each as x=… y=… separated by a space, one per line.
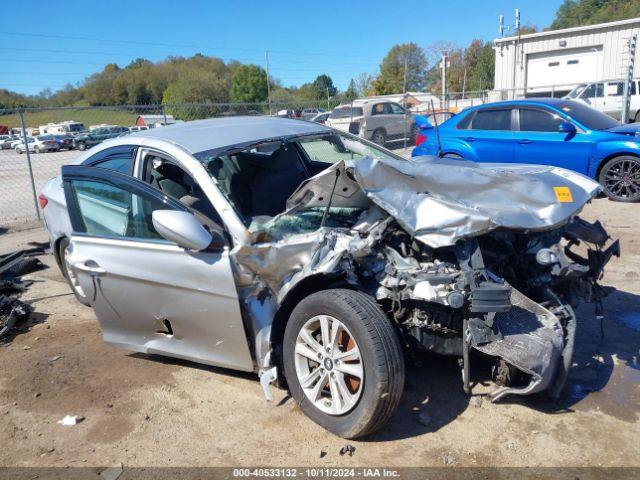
x=607 y=97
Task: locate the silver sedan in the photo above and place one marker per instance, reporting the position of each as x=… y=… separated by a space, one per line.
x=313 y=257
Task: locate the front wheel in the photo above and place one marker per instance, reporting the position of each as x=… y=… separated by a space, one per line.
x=620 y=179
x=343 y=362
x=36 y=150
x=81 y=146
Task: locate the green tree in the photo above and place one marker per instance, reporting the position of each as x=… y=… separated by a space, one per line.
x=351 y=93
x=391 y=76
x=249 y=84
x=195 y=87
x=323 y=86
x=574 y=13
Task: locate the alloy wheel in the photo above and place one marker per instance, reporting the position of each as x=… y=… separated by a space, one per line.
x=329 y=365
x=621 y=179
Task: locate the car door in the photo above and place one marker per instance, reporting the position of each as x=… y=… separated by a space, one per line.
x=538 y=141
x=488 y=137
x=401 y=121
x=149 y=294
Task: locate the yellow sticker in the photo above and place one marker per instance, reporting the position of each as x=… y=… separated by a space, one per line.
x=563 y=194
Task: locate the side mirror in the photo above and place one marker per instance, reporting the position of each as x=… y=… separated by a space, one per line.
x=567 y=127
x=181 y=228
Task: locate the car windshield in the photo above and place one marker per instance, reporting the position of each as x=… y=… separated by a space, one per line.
x=589 y=117
x=575 y=93
x=258 y=180
x=346 y=112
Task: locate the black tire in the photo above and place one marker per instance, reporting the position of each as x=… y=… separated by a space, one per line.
x=620 y=179
x=36 y=150
x=82 y=146
x=62 y=252
x=382 y=360
x=636 y=118
x=19 y=151
x=379 y=136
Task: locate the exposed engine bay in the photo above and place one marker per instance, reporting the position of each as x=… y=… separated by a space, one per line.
x=453 y=275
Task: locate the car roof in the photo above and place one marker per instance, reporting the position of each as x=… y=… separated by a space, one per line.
x=217 y=133
x=532 y=102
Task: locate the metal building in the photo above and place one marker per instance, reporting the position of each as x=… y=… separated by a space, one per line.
x=552 y=63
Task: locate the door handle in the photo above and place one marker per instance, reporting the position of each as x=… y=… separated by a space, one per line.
x=524 y=141
x=468 y=139
x=91 y=269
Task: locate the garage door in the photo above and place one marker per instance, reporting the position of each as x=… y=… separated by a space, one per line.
x=564 y=67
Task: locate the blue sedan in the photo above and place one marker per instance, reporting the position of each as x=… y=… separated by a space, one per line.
x=547 y=131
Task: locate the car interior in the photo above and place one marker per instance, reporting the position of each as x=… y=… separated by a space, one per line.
x=172 y=180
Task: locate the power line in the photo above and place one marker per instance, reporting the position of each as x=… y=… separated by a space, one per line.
x=166 y=56
x=174 y=45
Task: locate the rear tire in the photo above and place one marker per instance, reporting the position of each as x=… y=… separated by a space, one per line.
x=379 y=137
x=68 y=273
x=620 y=179
x=36 y=150
x=365 y=331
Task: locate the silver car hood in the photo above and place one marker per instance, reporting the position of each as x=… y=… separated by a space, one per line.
x=440 y=201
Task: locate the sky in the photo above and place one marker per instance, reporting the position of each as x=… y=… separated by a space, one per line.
x=67 y=42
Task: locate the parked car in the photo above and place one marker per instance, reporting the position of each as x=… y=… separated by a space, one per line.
x=309 y=113
x=96 y=136
x=308 y=258
x=321 y=117
x=558 y=132
x=375 y=120
x=6 y=141
x=286 y=114
x=39 y=144
x=65 y=142
x=608 y=97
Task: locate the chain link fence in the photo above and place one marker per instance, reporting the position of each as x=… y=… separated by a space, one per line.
x=55 y=136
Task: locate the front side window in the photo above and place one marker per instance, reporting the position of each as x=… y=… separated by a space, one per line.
x=108 y=210
x=119 y=159
x=538 y=121
x=397 y=109
x=492 y=120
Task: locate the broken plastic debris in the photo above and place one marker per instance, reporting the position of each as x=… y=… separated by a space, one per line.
x=350 y=449
x=71 y=420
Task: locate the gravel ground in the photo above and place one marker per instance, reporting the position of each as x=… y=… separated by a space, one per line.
x=143 y=410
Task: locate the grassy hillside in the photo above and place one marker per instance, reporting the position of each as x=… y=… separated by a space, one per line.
x=86 y=116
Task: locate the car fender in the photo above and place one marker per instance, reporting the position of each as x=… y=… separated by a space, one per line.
x=609 y=149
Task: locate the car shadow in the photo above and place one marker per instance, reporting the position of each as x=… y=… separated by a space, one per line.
x=599 y=348
x=433 y=396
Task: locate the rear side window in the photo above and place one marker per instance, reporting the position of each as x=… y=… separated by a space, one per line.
x=538 y=121
x=492 y=120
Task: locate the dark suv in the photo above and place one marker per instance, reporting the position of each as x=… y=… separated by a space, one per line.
x=88 y=140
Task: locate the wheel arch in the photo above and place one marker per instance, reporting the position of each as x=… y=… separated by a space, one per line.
x=304 y=288
x=56 y=250
x=610 y=157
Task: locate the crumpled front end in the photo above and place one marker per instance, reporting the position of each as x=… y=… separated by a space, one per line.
x=500 y=273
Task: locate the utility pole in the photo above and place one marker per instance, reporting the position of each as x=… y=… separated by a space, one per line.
x=464 y=82
x=626 y=95
x=404 y=101
x=266 y=61
x=26 y=149
x=516 y=44
x=443 y=66
x=328 y=108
